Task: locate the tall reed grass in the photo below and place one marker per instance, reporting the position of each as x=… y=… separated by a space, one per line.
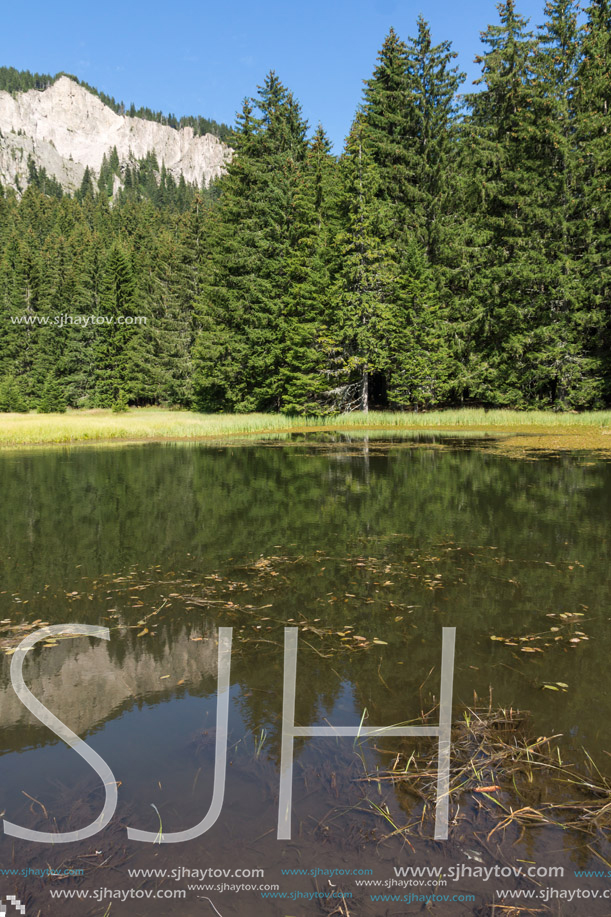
x=156 y=423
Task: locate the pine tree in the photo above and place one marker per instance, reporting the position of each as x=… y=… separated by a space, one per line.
x=52 y=400
x=305 y=321
x=593 y=132
x=239 y=349
x=509 y=255
x=363 y=290
x=560 y=370
x=11 y=399
x=117 y=297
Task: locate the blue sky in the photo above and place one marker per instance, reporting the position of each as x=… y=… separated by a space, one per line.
x=197 y=57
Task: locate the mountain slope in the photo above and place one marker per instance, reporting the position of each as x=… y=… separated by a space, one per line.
x=65 y=128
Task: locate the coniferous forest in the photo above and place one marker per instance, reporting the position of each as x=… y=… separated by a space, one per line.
x=458 y=252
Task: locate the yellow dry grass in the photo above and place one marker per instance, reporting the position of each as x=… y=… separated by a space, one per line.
x=566 y=430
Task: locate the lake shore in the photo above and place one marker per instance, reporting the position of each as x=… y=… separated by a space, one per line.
x=565 y=431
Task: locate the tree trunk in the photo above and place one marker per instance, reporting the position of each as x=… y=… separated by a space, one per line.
x=365 y=391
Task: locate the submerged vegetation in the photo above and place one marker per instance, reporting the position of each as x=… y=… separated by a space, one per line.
x=367 y=546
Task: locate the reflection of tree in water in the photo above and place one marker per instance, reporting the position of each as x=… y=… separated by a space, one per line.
x=109 y=508
x=389 y=542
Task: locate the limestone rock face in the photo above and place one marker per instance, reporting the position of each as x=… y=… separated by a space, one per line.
x=66 y=128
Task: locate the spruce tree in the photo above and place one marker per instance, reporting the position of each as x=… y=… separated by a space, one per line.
x=306 y=320
x=52 y=400
x=239 y=349
x=112 y=340
x=11 y=399
x=561 y=370
x=508 y=255
x=364 y=287
x=593 y=132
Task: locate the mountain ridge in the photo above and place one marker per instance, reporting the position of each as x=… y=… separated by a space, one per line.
x=65 y=129
x=13 y=81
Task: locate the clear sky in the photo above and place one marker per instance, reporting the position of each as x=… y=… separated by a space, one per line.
x=195 y=57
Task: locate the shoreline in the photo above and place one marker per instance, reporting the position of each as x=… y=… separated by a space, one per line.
x=529 y=429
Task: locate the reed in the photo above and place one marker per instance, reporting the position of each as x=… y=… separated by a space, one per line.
x=140 y=424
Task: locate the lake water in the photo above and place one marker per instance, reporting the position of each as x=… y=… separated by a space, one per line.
x=370 y=546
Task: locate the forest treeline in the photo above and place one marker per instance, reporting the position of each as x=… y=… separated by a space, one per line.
x=457 y=252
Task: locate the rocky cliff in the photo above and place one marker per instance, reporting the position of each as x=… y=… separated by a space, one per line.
x=66 y=128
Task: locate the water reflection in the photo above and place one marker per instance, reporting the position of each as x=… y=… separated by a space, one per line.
x=370 y=548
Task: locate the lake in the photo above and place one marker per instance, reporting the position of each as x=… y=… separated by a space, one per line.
x=369 y=546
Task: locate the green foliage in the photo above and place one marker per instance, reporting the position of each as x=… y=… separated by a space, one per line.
x=120 y=405
x=240 y=349
x=11 y=399
x=458 y=252
x=365 y=284
x=52 y=400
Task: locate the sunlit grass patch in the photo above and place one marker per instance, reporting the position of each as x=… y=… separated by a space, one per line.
x=158 y=423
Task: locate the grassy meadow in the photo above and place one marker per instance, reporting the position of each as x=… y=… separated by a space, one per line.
x=141 y=424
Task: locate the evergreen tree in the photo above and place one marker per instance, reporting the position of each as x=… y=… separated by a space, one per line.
x=112 y=357
x=421 y=362
x=86 y=188
x=11 y=399
x=385 y=107
x=239 y=350
x=509 y=256
x=593 y=199
x=52 y=400
x=364 y=287
x=561 y=370
x=306 y=320
x=431 y=119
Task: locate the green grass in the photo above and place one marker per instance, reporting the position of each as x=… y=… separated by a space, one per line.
x=156 y=423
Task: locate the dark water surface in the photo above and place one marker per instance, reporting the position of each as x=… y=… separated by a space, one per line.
x=371 y=546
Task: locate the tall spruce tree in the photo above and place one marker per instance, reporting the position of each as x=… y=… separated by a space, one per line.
x=239 y=349
x=563 y=372
x=364 y=286
x=307 y=319
x=593 y=137
x=508 y=255
x=112 y=357
x=385 y=108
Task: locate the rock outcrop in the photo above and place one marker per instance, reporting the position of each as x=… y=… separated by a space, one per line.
x=66 y=128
